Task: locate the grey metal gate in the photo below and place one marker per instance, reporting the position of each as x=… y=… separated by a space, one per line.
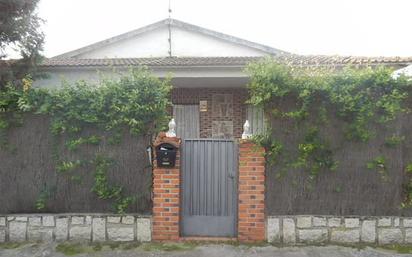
x=209 y=187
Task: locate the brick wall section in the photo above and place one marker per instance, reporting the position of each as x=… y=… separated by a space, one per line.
x=166 y=196
x=251 y=220
x=193 y=96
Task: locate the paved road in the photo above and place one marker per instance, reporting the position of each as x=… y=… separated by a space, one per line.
x=218 y=250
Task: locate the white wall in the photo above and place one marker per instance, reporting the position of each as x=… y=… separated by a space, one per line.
x=188 y=43
x=184 y=44
x=148 y=44
x=55 y=77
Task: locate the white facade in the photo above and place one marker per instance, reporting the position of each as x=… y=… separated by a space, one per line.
x=152 y=41
x=184 y=44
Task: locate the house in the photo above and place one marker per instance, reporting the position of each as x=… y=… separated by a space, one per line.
x=207 y=68
x=209 y=106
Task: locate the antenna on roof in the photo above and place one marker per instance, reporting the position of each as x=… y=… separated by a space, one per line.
x=170 y=9
x=170 y=29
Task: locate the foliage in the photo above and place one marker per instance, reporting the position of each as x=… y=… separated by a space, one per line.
x=72 y=249
x=314 y=155
x=408 y=187
x=409 y=168
x=20 y=31
x=362 y=99
x=20 y=25
x=274 y=147
x=9 y=112
x=74 y=144
x=75 y=248
x=399 y=248
x=169 y=247
x=136 y=102
x=9 y=101
x=379 y=165
x=65 y=166
x=408 y=195
x=104 y=190
x=44 y=195
x=394 y=141
x=358 y=96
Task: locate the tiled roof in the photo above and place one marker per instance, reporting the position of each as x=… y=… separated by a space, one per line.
x=158 y=61
x=343 y=60
x=223 y=61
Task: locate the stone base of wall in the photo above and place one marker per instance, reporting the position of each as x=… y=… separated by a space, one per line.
x=296 y=230
x=75 y=227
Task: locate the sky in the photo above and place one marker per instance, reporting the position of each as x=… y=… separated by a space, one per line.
x=329 y=27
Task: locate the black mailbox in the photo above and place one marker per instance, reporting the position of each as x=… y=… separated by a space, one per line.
x=166 y=155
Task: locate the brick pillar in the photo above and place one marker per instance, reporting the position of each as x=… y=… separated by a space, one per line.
x=251 y=219
x=166 y=195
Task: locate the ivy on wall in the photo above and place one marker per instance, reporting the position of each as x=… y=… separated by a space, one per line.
x=359 y=97
x=137 y=101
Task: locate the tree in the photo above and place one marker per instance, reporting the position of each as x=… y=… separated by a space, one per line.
x=20 y=31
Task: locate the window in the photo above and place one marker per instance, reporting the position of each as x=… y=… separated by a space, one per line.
x=256 y=117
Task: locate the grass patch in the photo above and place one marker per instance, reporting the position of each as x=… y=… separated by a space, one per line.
x=168 y=247
x=10 y=245
x=130 y=246
x=250 y=245
x=112 y=245
x=120 y=245
x=399 y=248
x=71 y=249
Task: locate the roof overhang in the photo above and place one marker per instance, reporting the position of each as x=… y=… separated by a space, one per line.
x=182 y=76
x=233 y=71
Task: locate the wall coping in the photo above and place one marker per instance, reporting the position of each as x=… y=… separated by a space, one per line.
x=162 y=138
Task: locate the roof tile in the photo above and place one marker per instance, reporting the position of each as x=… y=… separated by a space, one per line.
x=221 y=61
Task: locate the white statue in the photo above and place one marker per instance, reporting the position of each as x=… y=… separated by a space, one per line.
x=172 y=129
x=246 y=130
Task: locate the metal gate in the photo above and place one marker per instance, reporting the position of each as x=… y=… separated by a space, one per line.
x=209 y=187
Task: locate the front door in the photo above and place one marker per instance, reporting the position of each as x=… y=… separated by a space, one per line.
x=187 y=120
x=209 y=187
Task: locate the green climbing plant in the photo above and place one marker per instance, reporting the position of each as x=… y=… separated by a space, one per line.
x=304 y=99
x=379 y=164
x=136 y=102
